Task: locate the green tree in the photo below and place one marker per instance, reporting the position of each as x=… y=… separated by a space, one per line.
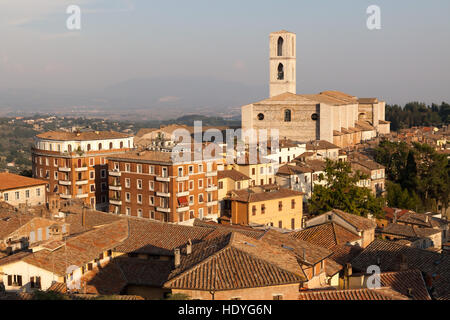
x=342 y=192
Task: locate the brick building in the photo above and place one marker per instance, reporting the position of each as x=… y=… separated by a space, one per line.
x=74 y=163
x=149 y=184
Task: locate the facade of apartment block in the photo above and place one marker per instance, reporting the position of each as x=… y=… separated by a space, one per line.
x=150 y=185
x=75 y=163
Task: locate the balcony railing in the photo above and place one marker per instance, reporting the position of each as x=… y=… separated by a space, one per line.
x=81 y=182
x=65 y=169
x=163 y=179
x=183 y=194
x=117 y=187
x=161 y=209
x=183 y=178
x=163 y=194
x=65 y=182
x=183 y=209
x=115 y=173
x=80 y=169
x=211 y=188
x=115 y=201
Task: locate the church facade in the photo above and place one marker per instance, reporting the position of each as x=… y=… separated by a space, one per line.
x=334 y=116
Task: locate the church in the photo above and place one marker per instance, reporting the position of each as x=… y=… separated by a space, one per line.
x=334 y=116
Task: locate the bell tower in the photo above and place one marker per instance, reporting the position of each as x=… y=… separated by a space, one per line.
x=282 y=62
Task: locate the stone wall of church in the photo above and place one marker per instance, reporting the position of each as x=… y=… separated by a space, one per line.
x=301 y=127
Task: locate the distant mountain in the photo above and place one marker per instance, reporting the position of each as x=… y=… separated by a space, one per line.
x=163 y=96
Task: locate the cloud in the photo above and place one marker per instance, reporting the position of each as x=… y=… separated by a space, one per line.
x=169 y=99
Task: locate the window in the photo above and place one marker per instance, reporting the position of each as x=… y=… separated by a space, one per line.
x=253 y=171
x=27 y=194
x=17 y=195
x=280 y=224
x=293 y=223
x=103 y=173
x=127 y=197
x=139 y=183
x=6 y=196
x=191 y=199
x=127 y=182
x=127 y=167
x=128 y=211
x=200 y=183
x=151 y=169
x=200 y=198
x=278 y=297
x=164 y=172
x=280 y=46
x=200 y=213
x=287 y=115
x=280 y=72
x=280 y=205
x=180 y=171
x=103 y=186
x=253 y=210
x=139 y=213
x=152 y=200
x=91 y=162
x=151 y=185
x=200 y=168
x=55 y=162
x=139 y=198
x=139 y=168
x=100 y=146
x=263 y=208
x=293 y=204
x=191 y=169
x=220 y=185
x=238 y=185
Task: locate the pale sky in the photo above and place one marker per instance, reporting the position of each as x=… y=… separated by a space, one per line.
x=408 y=59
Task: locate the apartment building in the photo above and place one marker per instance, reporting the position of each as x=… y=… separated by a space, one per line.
x=16 y=190
x=265 y=205
x=75 y=163
x=149 y=184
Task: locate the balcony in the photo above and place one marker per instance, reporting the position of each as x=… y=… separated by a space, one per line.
x=160 y=209
x=116 y=202
x=65 y=196
x=183 y=209
x=211 y=203
x=81 y=195
x=65 y=182
x=64 y=169
x=211 y=188
x=184 y=178
x=162 y=179
x=183 y=194
x=81 y=169
x=115 y=188
x=211 y=174
x=163 y=194
x=115 y=173
x=81 y=182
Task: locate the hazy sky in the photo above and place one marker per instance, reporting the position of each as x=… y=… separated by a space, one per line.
x=408 y=59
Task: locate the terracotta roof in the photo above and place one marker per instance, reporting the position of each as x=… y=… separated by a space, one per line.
x=158 y=238
x=92 y=219
x=80 y=249
x=352 y=294
x=148 y=156
x=254 y=194
x=9 y=181
x=421 y=219
x=409 y=231
x=367 y=100
x=221 y=229
x=307 y=252
x=10 y=221
x=345 y=253
x=406 y=282
x=235 y=261
x=326 y=235
x=320 y=145
x=389 y=255
x=358 y=222
x=288 y=169
x=82 y=136
x=232 y=174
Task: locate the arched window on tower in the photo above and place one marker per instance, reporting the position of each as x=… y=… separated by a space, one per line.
x=280 y=72
x=287 y=115
x=280 y=46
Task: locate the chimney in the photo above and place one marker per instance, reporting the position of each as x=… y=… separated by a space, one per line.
x=395 y=216
x=427 y=218
x=177 y=255
x=403 y=263
x=189 y=247
x=83 y=216
x=410 y=291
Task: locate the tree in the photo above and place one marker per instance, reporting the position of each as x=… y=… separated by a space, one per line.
x=342 y=192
